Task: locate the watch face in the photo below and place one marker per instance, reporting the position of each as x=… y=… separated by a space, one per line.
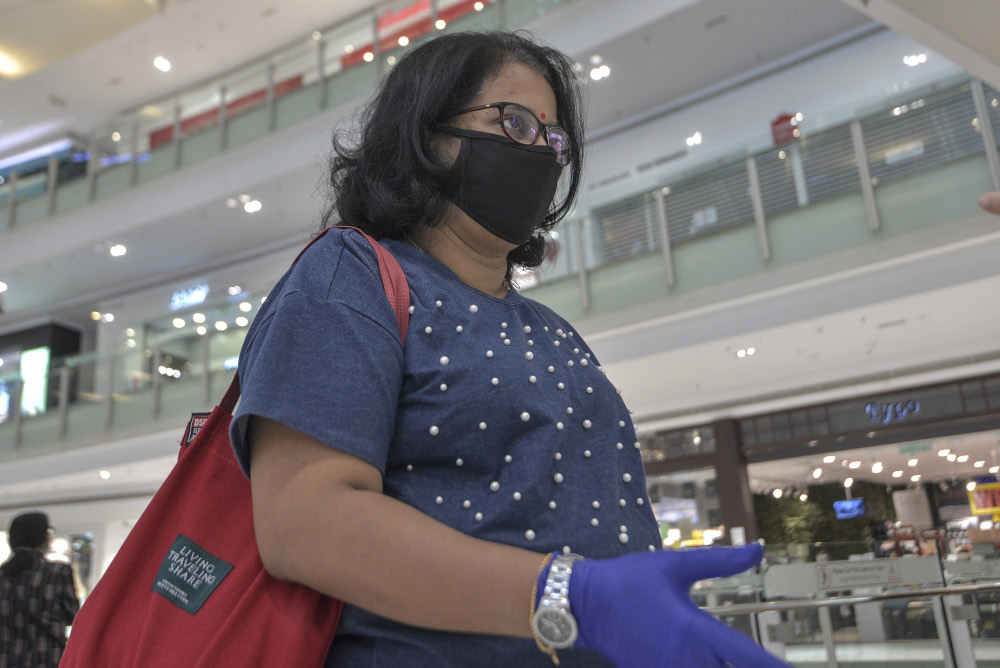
x=555 y=627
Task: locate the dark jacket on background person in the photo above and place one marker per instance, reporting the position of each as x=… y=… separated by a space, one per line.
x=36 y=606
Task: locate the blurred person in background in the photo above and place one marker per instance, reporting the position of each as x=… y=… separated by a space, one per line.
x=37 y=597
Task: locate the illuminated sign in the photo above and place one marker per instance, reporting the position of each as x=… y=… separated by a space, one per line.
x=188 y=297
x=891 y=412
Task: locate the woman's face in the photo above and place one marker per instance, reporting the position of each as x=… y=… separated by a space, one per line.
x=515 y=82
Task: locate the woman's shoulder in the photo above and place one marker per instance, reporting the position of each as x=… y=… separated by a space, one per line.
x=334 y=253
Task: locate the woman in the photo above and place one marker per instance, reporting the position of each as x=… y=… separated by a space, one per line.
x=37 y=598
x=424 y=485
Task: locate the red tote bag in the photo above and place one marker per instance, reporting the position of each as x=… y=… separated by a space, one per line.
x=187 y=588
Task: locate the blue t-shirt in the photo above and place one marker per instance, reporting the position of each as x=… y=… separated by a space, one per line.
x=495 y=419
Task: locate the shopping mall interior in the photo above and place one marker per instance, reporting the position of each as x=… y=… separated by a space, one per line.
x=777 y=256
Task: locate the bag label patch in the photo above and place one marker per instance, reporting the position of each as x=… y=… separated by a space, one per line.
x=197 y=421
x=189 y=574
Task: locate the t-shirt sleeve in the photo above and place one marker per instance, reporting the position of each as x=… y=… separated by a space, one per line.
x=327 y=358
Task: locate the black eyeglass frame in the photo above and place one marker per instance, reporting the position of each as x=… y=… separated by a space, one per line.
x=542 y=127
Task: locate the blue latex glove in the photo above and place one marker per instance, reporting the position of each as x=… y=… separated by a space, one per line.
x=637 y=611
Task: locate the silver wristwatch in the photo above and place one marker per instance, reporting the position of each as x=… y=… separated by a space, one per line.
x=553 y=621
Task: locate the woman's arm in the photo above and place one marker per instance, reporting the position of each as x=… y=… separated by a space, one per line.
x=321 y=519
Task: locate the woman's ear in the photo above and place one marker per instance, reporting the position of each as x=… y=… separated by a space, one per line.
x=443 y=147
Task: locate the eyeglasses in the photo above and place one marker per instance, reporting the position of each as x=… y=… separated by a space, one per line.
x=519 y=124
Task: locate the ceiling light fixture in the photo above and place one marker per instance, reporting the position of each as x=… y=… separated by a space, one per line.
x=897 y=474
x=105 y=474
x=695 y=140
x=478 y=6
x=403 y=40
x=368 y=57
x=854 y=465
x=198 y=317
x=242 y=321
x=234 y=290
x=253 y=206
x=8 y=66
x=829 y=459
x=246 y=307
x=971 y=485
x=116 y=136
x=952 y=457
x=348 y=48
x=3 y=287
x=912 y=462
x=944 y=453
x=980 y=464
x=161 y=64
x=848 y=482
x=179 y=322
x=803 y=497
x=221 y=326
x=963 y=458
x=915 y=477
x=994 y=469
x=777 y=493
x=602 y=72
x=317 y=35
x=817 y=472
x=877 y=467
x=915 y=59
x=201 y=330
x=108 y=317
x=440 y=24
x=117 y=250
x=95 y=315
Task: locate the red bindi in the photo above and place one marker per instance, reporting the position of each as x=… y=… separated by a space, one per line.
x=543 y=115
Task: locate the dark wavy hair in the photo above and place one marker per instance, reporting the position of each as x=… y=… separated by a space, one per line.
x=390 y=179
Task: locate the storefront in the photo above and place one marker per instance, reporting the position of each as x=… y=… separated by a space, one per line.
x=836 y=472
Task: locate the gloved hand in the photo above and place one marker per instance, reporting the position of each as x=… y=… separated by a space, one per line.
x=636 y=610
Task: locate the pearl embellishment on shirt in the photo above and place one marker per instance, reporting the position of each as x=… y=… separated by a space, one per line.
x=482 y=425
x=508 y=459
x=525 y=416
x=529 y=534
x=434 y=430
x=489 y=353
x=495 y=486
x=439 y=500
x=559 y=425
x=459 y=462
x=438 y=303
x=479 y=517
x=552 y=505
x=411 y=310
x=586 y=453
x=594 y=522
x=529 y=355
x=458 y=329
x=473 y=308
x=596 y=504
x=444 y=386
x=444 y=361
x=587 y=424
x=558 y=477
x=466 y=504
x=627 y=477
x=623 y=537
x=428 y=330
x=517 y=496
x=495 y=382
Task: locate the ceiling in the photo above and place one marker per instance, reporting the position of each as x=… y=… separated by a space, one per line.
x=78 y=87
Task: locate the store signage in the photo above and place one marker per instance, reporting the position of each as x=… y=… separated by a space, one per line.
x=910 y=448
x=890 y=412
x=188 y=297
x=841 y=575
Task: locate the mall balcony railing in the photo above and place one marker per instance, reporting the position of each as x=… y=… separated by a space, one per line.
x=911 y=612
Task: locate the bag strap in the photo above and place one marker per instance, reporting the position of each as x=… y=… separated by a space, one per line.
x=397 y=290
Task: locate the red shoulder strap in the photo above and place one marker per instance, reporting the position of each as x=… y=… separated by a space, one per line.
x=397 y=290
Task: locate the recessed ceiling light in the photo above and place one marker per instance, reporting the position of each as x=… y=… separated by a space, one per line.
x=877 y=467
x=440 y=24
x=220 y=325
x=3 y=287
x=348 y=48
x=95 y=315
x=854 y=465
x=161 y=64
x=777 y=493
x=242 y=321
x=915 y=477
x=912 y=462
x=253 y=206
x=108 y=317
x=198 y=317
x=117 y=250
x=897 y=474
x=829 y=459
x=994 y=469
x=234 y=290
x=478 y=6
x=246 y=307
x=179 y=322
x=980 y=464
x=971 y=485
x=105 y=475
x=963 y=458
x=848 y=482
x=368 y=57
x=944 y=453
x=317 y=35
x=201 y=330
x=8 y=66
x=817 y=472
x=952 y=457
x=403 y=40
x=915 y=59
x=116 y=136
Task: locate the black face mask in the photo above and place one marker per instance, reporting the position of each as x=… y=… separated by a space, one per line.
x=504 y=186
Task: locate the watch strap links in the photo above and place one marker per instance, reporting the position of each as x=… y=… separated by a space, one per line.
x=550 y=651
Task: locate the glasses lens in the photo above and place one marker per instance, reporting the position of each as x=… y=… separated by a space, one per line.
x=519 y=124
x=558 y=139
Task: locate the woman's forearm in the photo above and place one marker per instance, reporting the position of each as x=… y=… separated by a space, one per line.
x=322 y=520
